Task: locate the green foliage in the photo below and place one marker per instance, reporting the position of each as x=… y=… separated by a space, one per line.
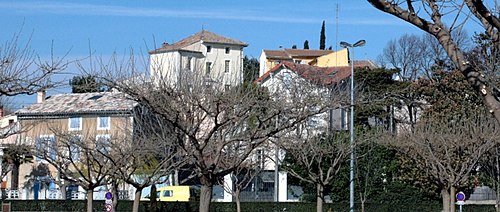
x=250 y=69
x=322 y=37
x=449 y=94
x=414 y=204
x=378 y=92
x=86 y=84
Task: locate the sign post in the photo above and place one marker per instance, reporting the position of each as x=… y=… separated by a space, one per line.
x=460 y=199
x=108 y=204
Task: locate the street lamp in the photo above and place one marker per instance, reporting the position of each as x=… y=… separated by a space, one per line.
x=350 y=47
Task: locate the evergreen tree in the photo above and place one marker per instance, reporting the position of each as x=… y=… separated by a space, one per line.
x=86 y=84
x=294 y=46
x=322 y=37
x=250 y=69
x=306 y=44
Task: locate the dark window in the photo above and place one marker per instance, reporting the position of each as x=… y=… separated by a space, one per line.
x=227 y=63
x=209 y=49
x=228 y=50
x=208 y=68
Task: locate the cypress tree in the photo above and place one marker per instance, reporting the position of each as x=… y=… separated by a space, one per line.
x=306 y=44
x=322 y=37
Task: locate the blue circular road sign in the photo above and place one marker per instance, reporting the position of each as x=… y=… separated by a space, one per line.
x=108 y=195
x=460 y=196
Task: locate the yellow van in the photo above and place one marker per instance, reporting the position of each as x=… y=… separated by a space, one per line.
x=174 y=194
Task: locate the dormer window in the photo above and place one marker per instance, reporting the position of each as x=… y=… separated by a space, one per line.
x=209 y=49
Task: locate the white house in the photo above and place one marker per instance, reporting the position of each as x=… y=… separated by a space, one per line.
x=215 y=58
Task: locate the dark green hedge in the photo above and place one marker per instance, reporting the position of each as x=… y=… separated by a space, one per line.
x=79 y=205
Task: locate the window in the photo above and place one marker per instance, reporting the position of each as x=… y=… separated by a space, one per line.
x=209 y=49
x=74 y=147
x=312 y=122
x=45 y=147
x=167 y=193
x=188 y=64
x=75 y=123
x=227 y=87
x=208 y=67
x=287 y=79
x=227 y=63
x=103 y=123
x=103 y=143
x=228 y=50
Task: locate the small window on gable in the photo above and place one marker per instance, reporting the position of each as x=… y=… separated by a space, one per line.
x=228 y=50
x=75 y=123
x=103 y=123
x=209 y=49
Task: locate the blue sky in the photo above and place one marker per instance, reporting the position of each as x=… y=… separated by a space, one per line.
x=75 y=26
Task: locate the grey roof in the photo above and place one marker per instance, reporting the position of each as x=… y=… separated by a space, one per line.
x=80 y=103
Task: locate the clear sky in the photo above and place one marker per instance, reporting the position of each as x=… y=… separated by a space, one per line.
x=105 y=26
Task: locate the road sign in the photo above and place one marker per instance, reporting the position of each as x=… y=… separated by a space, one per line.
x=108 y=207
x=108 y=195
x=460 y=196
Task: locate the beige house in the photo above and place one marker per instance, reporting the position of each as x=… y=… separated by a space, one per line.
x=214 y=58
x=270 y=58
x=99 y=117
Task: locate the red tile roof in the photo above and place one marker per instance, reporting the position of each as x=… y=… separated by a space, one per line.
x=318 y=75
x=203 y=35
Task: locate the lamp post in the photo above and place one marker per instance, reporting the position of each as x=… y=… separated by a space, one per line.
x=351 y=127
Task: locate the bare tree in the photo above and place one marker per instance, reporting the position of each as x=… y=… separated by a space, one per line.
x=404 y=54
x=217 y=127
x=22 y=71
x=80 y=159
x=145 y=158
x=319 y=156
x=241 y=178
x=429 y=17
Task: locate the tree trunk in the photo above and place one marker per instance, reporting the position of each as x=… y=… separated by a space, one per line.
x=205 y=197
x=452 y=198
x=237 y=200
x=152 y=198
x=137 y=199
x=362 y=199
x=90 y=199
x=319 y=198
x=63 y=188
x=446 y=200
x=115 y=195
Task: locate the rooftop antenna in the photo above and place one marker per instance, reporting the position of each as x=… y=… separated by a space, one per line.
x=337 y=33
x=337 y=27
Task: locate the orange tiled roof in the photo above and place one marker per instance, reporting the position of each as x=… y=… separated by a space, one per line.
x=318 y=75
x=203 y=35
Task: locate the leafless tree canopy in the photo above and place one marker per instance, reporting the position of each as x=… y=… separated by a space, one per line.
x=447 y=149
x=432 y=17
x=23 y=72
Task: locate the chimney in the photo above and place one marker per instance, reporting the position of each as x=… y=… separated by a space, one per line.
x=40 y=96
